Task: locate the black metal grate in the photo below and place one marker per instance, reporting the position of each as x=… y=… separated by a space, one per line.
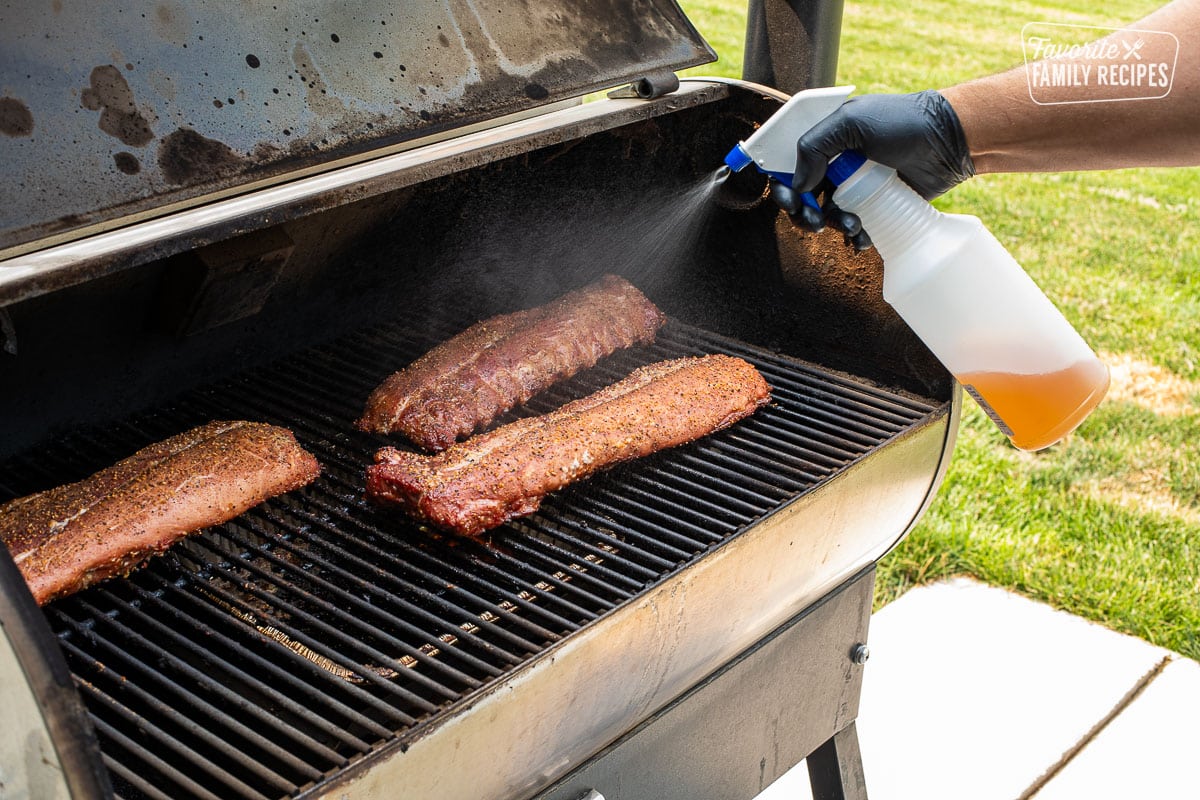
x=255 y=659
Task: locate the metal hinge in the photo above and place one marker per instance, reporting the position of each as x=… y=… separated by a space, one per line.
x=656 y=84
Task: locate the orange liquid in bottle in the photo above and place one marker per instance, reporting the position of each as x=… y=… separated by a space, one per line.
x=1035 y=411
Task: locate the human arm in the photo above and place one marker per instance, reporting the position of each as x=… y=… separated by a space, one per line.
x=1008 y=132
x=937 y=139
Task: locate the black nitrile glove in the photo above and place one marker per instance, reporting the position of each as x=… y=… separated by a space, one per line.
x=814 y=220
x=802 y=214
x=918 y=135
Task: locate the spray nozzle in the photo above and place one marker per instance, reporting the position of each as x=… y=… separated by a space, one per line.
x=738 y=159
x=739 y=191
x=772 y=148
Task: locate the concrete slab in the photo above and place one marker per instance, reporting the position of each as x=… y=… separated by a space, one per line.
x=977 y=691
x=973 y=691
x=1149 y=750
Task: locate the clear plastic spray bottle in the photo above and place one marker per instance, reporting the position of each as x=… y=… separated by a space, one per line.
x=967 y=299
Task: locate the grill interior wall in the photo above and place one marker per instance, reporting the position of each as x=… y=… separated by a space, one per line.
x=476 y=241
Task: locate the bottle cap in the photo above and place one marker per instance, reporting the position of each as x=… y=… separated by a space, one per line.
x=738 y=159
x=844 y=166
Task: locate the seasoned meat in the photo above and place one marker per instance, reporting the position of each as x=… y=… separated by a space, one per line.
x=467 y=381
x=503 y=474
x=67 y=538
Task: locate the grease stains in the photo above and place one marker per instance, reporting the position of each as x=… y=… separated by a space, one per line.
x=119 y=116
x=15 y=117
x=127 y=163
x=185 y=156
x=535 y=91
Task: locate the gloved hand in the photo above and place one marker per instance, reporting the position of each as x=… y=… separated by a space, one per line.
x=814 y=219
x=919 y=135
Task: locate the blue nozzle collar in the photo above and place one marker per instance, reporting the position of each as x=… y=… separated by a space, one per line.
x=843 y=166
x=738 y=159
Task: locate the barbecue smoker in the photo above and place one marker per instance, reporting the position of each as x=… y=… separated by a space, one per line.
x=258 y=213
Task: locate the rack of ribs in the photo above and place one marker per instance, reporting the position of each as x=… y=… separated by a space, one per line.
x=503 y=474
x=495 y=365
x=70 y=537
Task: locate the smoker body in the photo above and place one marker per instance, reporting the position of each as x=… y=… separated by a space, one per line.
x=516 y=659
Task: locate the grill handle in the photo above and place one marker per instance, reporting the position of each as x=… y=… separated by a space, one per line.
x=656 y=84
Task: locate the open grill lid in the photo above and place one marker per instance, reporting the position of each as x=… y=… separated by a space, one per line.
x=155 y=105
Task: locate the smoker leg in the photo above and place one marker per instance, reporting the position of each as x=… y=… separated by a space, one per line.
x=835 y=768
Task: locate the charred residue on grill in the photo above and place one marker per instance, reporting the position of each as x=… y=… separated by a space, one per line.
x=15 y=117
x=127 y=163
x=185 y=155
x=109 y=93
x=323 y=103
x=299 y=648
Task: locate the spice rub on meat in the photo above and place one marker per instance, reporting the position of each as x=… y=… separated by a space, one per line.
x=70 y=537
x=497 y=476
x=467 y=381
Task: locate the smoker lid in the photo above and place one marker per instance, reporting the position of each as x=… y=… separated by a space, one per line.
x=117 y=112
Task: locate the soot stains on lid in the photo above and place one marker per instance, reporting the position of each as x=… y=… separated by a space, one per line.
x=15 y=117
x=185 y=155
x=119 y=117
x=127 y=163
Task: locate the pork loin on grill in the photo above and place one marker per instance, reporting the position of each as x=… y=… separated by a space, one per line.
x=503 y=474
x=467 y=381
x=67 y=538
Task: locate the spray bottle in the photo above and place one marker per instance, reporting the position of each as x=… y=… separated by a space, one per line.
x=954 y=284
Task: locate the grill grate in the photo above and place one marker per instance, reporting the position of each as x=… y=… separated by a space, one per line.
x=255 y=659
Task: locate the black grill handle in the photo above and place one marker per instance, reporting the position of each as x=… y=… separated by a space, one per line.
x=652 y=86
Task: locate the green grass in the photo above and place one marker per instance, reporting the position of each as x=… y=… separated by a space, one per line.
x=1106 y=525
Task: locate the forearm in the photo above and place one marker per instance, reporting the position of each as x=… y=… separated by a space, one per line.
x=1007 y=131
